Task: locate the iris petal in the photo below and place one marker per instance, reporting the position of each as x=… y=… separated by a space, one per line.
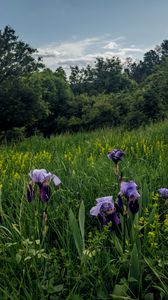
x=115 y=155
x=45 y=193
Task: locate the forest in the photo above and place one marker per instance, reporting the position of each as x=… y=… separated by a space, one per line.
x=35 y=99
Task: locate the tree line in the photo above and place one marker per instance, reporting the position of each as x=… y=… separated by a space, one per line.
x=34 y=98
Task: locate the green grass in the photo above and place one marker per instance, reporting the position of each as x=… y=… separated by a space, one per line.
x=69 y=257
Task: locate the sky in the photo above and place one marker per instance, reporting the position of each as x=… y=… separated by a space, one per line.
x=74 y=32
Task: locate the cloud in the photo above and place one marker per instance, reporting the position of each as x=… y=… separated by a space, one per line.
x=111 y=45
x=48 y=52
x=84 y=52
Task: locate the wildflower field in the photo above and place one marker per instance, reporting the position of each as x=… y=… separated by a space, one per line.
x=67 y=255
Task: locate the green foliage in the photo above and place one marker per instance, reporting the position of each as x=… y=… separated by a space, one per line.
x=56 y=93
x=105 y=77
x=20 y=104
x=107 y=94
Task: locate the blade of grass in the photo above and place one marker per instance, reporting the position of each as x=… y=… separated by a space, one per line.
x=82 y=222
x=76 y=233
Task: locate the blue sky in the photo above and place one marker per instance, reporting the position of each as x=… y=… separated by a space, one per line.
x=75 y=32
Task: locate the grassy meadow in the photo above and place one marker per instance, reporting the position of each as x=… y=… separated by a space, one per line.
x=67 y=256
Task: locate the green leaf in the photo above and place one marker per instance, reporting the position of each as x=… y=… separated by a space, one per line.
x=133 y=277
x=5 y=229
x=149 y=296
x=16 y=229
x=18 y=258
x=118 y=245
x=58 y=288
x=82 y=221
x=76 y=233
x=27 y=258
x=37 y=242
x=120 y=292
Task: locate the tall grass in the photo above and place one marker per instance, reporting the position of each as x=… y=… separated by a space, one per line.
x=68 y=256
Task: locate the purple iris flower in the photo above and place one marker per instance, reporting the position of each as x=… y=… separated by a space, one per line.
x=41 y=175
x=104 y=203
x=42 y=178
x=115 y=155
x=106 y=212
x=129 y=189
x=163 y=192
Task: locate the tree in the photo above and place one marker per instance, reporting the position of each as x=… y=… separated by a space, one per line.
x=105 y=77
x=140 y=70
x=60 y=72
x=56 y=93
x=16 y=57
x=164 y=48
x=20 y=104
